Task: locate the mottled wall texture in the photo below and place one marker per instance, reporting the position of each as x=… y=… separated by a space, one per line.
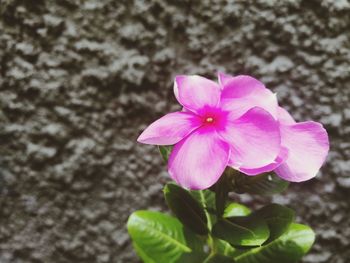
x=80 y=80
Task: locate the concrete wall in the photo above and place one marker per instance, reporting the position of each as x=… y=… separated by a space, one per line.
x=79 y=80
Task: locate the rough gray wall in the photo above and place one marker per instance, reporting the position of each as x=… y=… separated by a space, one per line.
x=79 y=81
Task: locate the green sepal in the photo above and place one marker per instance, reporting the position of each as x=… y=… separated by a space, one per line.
x=165 y=151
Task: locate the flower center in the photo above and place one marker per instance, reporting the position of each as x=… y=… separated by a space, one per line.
x=209 y=120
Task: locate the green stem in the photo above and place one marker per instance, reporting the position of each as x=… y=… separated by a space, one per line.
x=210 y=240
x=209 y=224
x=211 y=244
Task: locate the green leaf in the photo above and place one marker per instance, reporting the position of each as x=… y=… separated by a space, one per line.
x=224 y=248
x=242 y=231
x=157 y=237
x=197 y=244
x=288 y=248
x=221 y=188
x=278 y=219
x=192 y=257
x=165 y=151
x=186 y=208
x=206 y=198
x=235 y=209
x=217 y=258
x=265 y=184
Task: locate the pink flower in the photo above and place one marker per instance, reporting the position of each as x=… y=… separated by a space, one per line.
x=222 y=124
x=235 y=123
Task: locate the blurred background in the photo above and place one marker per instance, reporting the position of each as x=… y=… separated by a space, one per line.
x=80 y=80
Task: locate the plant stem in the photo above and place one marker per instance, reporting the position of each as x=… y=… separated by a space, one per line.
x=210 y=240
x=202 y=196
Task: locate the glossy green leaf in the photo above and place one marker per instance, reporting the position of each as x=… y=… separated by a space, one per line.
x=221 y=188
x=206 y=198
x=235 y=209
x=186 y=208
x=192 y=257
x=217 y=258
x=165 y=151
x=157 y=237
x=224 y=248
x=197 y=244
x=242 y=231
x=264 y=184
x=288 y=248
x=278 y=219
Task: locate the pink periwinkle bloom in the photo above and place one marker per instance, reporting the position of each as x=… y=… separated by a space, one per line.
x=236 y=122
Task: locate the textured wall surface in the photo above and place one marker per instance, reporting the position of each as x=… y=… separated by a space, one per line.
x=79 y=80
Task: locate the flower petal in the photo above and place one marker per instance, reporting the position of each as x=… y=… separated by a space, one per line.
x=242 y=93
x=170 y=128
x=199 y=160
x=284 y=117
x=282 y=156
x=254 y=139
x=308 y=146
x=223 y=79
x=195 y=92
